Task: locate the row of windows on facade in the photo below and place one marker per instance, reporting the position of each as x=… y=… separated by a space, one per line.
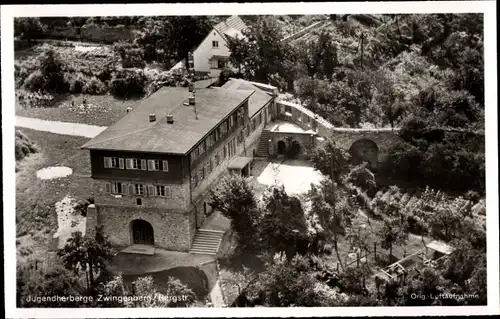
x=227 y=151
x=120 y=188
x=135 y=163
x=217 y=134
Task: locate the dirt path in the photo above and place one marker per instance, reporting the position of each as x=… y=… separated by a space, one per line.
x=63 y=128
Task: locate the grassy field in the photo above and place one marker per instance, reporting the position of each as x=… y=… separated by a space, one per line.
x=36 y=218
x=103 y=110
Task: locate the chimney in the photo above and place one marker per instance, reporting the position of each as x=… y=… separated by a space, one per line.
x=170 y=119
x=152 y=117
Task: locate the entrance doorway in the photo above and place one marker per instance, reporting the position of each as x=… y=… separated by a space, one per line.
x=294 y=150
x=281 y=148
x=142 y=233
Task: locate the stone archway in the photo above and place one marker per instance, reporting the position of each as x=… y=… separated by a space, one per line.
x=141 y=232
x=364 y=150
x=281 y=147
x=294 y=150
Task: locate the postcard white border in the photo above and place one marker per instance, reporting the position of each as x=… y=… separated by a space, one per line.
x=488 y=8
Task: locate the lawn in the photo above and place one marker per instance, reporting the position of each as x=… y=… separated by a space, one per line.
x=36 y=218
x=103 y=110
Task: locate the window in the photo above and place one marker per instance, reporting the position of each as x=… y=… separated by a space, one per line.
x=116 y=188
x=135 y=163
x=113 y=162
x=139 y=189
x=154 y=165
x=138 y=201
x=162 y=191
x=165 y=166
x=214 y=64
x=231 y=121
x=201 y=176
x=215 y=44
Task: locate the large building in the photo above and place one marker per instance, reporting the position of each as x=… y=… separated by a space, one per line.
x=154 y=167
x=212 y=54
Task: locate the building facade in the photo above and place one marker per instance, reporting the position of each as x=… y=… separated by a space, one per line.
x=153 y=169
x=212 y=54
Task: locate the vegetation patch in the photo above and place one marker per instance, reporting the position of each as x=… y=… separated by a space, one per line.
x=23 y=147
x=194 y=278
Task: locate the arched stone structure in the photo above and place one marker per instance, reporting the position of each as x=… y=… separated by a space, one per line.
x=281 y=147
x=365 y=150
x=295 y=149
x=141 y=232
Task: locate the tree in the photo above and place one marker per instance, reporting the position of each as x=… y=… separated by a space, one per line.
x=28 y=28
x=362 y=177
x=176 y=293
x=78 y=23
x=243 y=52
x=45 y=279
x=428 y=283
x=283 y=227
x=235 y=199
x=330 y=159
x=394 y=232
x=287 y=283
x=88 y=254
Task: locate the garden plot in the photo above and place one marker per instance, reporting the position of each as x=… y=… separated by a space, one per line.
x=68 y=220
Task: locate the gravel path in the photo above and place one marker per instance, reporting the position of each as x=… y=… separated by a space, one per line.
x=63 y=128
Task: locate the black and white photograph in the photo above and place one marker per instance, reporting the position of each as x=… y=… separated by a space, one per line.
x=218 y=157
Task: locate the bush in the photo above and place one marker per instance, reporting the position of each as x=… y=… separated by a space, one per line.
x=361 y=176
x=76 y=83
x=128 y=83
x=23 y=146
x=36 y=81
x=94 y=86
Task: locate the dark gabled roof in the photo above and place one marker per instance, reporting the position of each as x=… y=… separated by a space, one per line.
x=135 y=133
x=230 y=26
x=257 y=101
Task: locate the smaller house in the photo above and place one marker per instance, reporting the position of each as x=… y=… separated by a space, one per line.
x=212 y=54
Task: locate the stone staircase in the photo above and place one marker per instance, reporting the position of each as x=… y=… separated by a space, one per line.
x=206 y=242
x=263 y=149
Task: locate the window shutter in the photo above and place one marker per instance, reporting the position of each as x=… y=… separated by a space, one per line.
x=151 y=190
x=129 y=163
x=131 y=189
x=106 y=162
x=122 y=165
x=108 y=187
x=168 y=192
x=151 y=165
x=144 y=165
x=165 y=166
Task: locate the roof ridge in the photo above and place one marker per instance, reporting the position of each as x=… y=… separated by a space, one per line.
x=116 y=137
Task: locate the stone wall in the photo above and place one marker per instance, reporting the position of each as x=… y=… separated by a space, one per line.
x=383 y=138
x=171 y=229
x=305 y=140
